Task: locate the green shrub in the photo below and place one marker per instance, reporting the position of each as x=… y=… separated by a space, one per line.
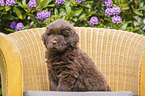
x=78 y=14
x=133 y=14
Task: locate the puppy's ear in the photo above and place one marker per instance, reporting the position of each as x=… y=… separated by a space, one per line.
x=44 y=40
x=74 y=38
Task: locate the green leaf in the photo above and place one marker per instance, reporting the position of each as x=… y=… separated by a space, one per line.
x=93 y=12
x=62 y=14
x=19 y=4
x=72 y=23
x=18 y=12
x=138 y=13
x=137 y=28
x=143 y=33
x=124 y=26
x=24 y=16
x=27 y=10
x=39 y=3
x=143 y=28
x=52 y=17
x=141 y=4
x=23 y=6
x=78 y=12
x=142 y=8
x=82 y=17
x=24 y=2
x=138 y=19
x=75 y=19
x=44 y=3
x=56 y=13
x=1 y=7
x=124 y=8
x=50 y=5
x=10 y=30
x=7 y=8
x=136 y=24
x=33 y=18
x=68 y=8
x=87 y=6
x=75 y=13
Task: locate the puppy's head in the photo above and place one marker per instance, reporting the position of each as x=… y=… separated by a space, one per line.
x=60 y=36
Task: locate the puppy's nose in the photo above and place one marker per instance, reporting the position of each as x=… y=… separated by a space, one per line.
x=54 y=42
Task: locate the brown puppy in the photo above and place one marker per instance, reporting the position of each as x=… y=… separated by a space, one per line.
x=70 y=69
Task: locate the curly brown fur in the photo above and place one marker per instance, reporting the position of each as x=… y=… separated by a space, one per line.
x=70 y=69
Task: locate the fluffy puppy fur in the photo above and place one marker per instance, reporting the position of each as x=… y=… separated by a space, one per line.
x=70 y=69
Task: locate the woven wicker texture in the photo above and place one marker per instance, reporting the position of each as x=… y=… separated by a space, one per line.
x=32 y=55
x=116 y=53
x=4 y=74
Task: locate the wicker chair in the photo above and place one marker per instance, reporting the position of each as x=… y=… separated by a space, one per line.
x=118 y=54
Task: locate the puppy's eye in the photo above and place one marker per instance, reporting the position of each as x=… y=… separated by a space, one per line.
x=48 y=34
x=65 y=35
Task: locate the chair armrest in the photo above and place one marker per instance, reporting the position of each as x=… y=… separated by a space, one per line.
x=11 y=67
x=142 y=83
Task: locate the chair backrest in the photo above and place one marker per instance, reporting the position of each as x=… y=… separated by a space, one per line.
x=116 y=53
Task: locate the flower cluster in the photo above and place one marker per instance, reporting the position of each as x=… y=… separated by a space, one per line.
x=2 y=2
x=19 y=26
x=115 y=11
x=93 y=20
x=59 y=2
x=32 y=3
x=41 y=15
x=108 y=12
x=108 y=3
x=112 y=11
x=13 y=25
x=10 y=2
x=116 y=19
x=16 y=26
x=79 y=1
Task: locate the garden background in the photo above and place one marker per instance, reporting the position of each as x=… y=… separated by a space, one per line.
x=128 y=15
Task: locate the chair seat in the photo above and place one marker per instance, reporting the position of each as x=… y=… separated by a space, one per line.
x=58 y=93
